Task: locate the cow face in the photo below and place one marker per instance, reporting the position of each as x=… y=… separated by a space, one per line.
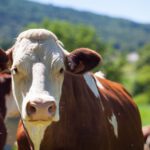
x=38 y=63
x=38 y=66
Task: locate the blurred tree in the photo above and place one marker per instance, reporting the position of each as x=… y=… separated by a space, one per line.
x=113 y=64
x=144 y=54
x=142 y=82
x=72 y=35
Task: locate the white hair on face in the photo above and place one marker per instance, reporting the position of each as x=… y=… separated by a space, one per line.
x=37 y=34
x=37 y=131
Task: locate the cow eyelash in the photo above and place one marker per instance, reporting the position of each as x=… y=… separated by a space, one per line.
x=14 y=70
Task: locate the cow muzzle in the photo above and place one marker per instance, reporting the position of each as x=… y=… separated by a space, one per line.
x=39 y=110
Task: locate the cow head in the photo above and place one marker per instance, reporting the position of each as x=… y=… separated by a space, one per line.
x=38 y=63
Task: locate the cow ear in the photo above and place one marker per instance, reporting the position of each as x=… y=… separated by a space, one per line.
x=82 y=60
x=5 y=59
x=3 y=56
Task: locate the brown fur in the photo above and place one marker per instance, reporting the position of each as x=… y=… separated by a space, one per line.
x=3 y=60
x=82 y=60
x=5 y=88
x=84 y=125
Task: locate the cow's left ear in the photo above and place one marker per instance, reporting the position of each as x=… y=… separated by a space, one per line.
x=5 y=59
x=82 y=60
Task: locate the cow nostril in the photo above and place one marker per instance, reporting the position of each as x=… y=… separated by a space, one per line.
x=30 y=109
x=52 y=108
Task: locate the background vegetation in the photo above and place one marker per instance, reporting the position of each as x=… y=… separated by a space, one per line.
x=121 y=34
x=115 y=39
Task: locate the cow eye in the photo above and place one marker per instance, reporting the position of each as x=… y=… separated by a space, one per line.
x=61 y=70
x=14 y=70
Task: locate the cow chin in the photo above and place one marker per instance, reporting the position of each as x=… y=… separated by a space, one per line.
x=36 y=131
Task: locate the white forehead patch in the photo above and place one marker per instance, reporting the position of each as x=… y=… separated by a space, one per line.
x=37 y=34
x=113 y=122
x=38 y=43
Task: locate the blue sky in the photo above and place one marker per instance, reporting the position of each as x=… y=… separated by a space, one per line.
x=136 y=10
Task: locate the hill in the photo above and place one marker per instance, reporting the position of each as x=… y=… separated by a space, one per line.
x=122 y=34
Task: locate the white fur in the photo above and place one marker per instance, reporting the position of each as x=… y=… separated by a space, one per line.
x=113 y=122
x=36 y=34
x=37 y=130
x=99 y=74
x=91 y=84
x=99 y=85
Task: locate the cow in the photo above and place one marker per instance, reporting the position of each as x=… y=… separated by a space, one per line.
x=146 y=133
x=8 y=107
x=4 y=91
x=3 y=132
x=64 y=106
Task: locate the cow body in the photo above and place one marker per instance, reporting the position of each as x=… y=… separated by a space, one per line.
x=62 y=105
x=108 y=121
x=5 y=89
x=3 y=133
x=8 y=107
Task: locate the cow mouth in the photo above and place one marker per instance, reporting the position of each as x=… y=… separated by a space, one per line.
x=38 y=121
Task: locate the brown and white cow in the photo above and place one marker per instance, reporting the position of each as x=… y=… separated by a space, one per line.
x=62 y=105
x=146 y=133
x=5 y=94
x=4 y=90
x=8 y=107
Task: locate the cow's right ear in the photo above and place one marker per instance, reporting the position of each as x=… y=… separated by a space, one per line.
x=5 y=59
